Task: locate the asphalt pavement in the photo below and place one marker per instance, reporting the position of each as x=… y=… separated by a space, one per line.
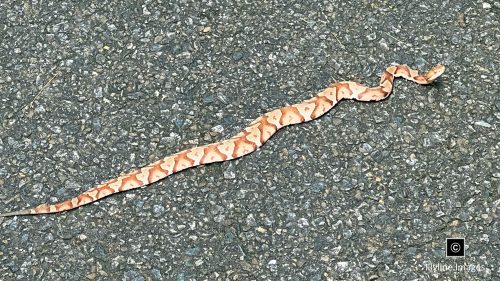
x=370 y=191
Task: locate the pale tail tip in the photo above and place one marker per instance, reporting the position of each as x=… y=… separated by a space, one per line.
x=17 y=213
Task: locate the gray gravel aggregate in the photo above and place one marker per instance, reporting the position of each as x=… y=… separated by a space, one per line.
x=370 y=191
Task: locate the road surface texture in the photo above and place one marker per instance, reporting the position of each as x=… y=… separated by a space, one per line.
x=370 y=191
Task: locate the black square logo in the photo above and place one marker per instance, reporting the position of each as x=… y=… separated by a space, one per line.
x=455 y=247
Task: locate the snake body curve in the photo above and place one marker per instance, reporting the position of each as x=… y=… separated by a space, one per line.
x=245 y=142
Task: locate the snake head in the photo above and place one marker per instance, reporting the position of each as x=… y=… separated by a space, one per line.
x=434 y=72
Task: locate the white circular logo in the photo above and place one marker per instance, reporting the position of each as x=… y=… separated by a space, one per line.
x=455 y=247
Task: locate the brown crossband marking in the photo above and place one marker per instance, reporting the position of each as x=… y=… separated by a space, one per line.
x=266 y=130
x=370 y=93
x=168 y=163
x=247 y=141
x=290 y=115
x=44 y=208
x=253 y=135
x=104 y=191
x=242 y=147
x=274 y=117
x=344 y=90
x=212 y=154
x=323 y=104
x=66 y=205
x=295 y=111
x=283 y=110
x=157 y=173
x=84 y=199
x=182 y=161
x=386 y=81
x=130 y=183
x=325 y=100
x=402 y=70
x=386 y=76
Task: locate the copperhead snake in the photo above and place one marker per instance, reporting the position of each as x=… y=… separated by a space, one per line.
x=245 y=142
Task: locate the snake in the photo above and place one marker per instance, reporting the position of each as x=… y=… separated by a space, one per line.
x=246 y=141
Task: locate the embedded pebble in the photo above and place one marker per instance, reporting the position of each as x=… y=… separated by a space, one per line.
x=218 y=129
x=482 y=124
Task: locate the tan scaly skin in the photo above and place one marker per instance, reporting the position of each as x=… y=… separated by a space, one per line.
x=247 y=141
